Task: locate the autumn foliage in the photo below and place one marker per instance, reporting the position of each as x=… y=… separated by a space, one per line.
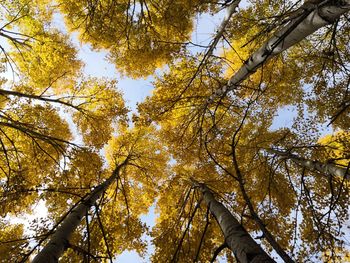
x=243 y=148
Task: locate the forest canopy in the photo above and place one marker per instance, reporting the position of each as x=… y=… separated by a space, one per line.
x=209 y=151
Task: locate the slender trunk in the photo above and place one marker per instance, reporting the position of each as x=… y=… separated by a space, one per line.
x=325 y=168
x=220 y=31
x=309 y=20
x=266 y=233
x=60 y=239
x=236 y=237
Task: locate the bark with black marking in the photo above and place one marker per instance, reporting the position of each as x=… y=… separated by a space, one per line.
x=236 y=237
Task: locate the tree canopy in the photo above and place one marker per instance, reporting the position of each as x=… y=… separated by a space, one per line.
x=207 y=149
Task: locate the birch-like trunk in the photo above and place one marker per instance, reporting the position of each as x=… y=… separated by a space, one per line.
x=236 y=237
x=59 y=241
x=325 y=168
x=230 y=10
x=296 y=30
x=220 y=31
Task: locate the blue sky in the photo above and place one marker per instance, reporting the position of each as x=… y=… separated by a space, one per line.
x=136 y=91
x=96 y=65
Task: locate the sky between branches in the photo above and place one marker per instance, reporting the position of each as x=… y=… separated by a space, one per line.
x=136 y=91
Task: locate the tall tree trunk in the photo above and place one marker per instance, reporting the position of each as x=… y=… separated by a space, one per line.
x=220 y=31
x=266 y=233
x=60 y=239
x=311 y=18
x=325 y=168
x=236 y=237
x=230 y=10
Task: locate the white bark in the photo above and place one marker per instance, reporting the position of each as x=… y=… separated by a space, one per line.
x=325 y=168
x=230 y=11
x=236 y=237
x=219 y=32
x=60 y=239
x=295 y=31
